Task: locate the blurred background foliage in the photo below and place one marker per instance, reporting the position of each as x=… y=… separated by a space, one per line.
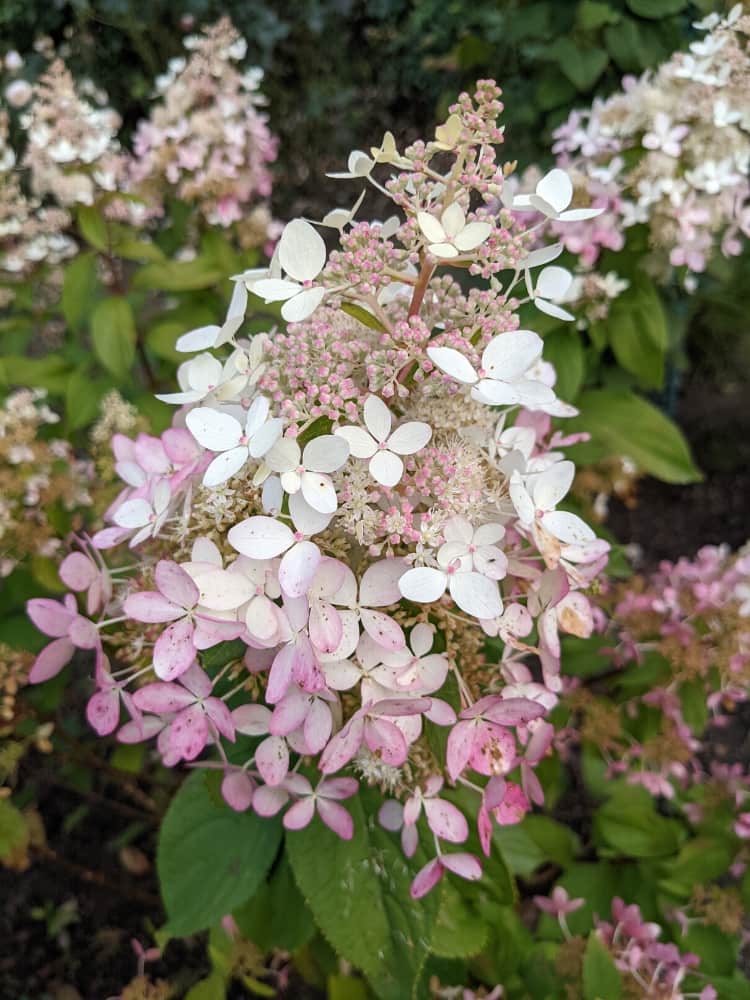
x=341 y=72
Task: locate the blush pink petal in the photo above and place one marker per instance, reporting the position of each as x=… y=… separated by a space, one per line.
x=326 y=628
x=175 y=584
x=77 y=571
x=51 y=660
x=379 y=585
x=83 y=633
x=464 y=865
x=174 y=651
x=188 y=734
x=337 y=788
x=237 y=790
x=446 y=821
x=386 y=740
x=140 y=729
x=300 y=814
x=221 y=717
x=318 y=725
x=383 y=629
x=268 y=801
x=50 y=617
x=460 y=745
x=426 y=879
x=298 y=568
x=150 y=606
x=103 y=711
x=272 y=760
x=343 y=746
x=163 y=697
x=336 y=818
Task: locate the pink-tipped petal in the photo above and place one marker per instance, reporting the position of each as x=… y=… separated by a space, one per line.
x=51 y=660
x=174 y=651
x=336 y=818
x=426 y=879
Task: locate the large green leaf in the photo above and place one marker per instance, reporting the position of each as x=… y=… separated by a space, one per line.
x=358 y=891
x=601 y=980
x=93 y=226
x=564 y=350
x=113 y=334
x=179 y=275
x=79 y=284
x=636 y=328
x=277 y=915
x=210 y=859
x=621 y=423
x=629 y=824
x=459 y=930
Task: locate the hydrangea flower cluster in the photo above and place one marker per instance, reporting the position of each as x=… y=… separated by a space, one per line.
x=72 y=153
x=206 y=141
x=687 y=626
x=671 y=151
x=342 y=514
x=653 y=968
x=39 y=474
x=29 y=232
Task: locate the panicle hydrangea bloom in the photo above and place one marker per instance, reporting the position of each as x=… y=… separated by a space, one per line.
x=72 y=152
x=29 y=232
x=344 y=513
x=687 y=628
x=670 y=151
x=205 y=140
x=38 y=473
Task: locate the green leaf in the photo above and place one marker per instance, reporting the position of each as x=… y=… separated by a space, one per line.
x=592 y=14
x=717 y=950
x=601 y=980
x=210 y=859
x=214 y=987
x=361 y=314
x=79 y=285
x=637 y=331
x=178 y=275
x=700 y=861
x=113 y=335
x=564 y=350
x=459 y=931
x=162 y=337
x=629 y=824
x=522 y=854
x=82 y=398
x=224 y=652
x=93 y=226
x=633 y=46
x=358 y=891
x=582 y=66
x=654 y=9
x=557 y=842
x=621 y=423
x=135 y=249
x=49 y=373
x=346 y=988
x=277 y=915
x=13 y=830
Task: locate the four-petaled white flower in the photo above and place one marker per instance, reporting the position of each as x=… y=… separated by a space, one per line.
x=451 y=235
x=205 y=337
x=146 y=515
x=664 y=136
x=535 y=498
x=552 y=195
x=236 y=443
x=197 y=377
x=308 y=470
x=302 y=255
x=382 y=446
x=473 y=592
x=552 y=286
x=504 y=378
